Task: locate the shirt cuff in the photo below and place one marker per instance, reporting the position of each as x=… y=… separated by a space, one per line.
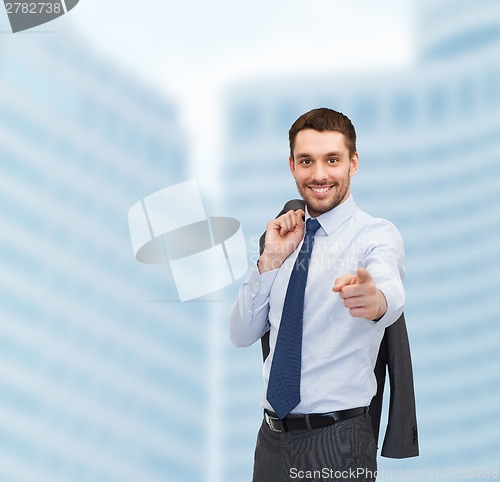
x=261 y=284
x=394 y=296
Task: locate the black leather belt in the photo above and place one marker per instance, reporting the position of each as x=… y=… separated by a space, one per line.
x=309 y=421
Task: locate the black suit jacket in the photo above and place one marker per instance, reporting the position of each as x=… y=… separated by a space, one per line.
x=401 y=435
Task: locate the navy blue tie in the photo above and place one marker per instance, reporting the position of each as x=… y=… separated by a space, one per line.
x=283 y=390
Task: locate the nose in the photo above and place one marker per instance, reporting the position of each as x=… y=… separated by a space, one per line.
x=320 y=173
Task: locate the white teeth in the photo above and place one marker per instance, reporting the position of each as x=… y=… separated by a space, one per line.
x=320 y=189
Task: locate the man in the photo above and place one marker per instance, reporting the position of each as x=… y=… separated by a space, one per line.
x=327 y=284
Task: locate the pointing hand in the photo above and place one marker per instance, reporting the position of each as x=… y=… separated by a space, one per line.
x=360 y=295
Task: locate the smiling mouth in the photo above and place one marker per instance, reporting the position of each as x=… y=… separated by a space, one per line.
x=320 y=189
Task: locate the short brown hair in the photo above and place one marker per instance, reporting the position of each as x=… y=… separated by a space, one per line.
x=324 y=119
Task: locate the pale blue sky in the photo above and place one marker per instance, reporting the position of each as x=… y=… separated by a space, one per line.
x=167 y=41
x=192 y=50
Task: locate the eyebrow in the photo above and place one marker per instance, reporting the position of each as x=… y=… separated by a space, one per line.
x=301 y=155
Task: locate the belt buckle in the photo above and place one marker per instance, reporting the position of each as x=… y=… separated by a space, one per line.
x=271 y=423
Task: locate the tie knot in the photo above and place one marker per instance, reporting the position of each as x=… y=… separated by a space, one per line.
x=312 y=225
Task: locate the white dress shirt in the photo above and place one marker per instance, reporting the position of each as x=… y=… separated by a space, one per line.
x=338 y=351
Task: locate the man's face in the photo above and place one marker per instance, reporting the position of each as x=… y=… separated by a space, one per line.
x=322 y=169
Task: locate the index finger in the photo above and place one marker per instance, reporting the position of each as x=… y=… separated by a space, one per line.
x=300 y=214
x=344 y=280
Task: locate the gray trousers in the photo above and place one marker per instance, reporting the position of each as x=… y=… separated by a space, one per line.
x=340 y=452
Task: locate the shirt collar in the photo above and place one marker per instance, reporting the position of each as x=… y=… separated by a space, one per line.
x=333 y=219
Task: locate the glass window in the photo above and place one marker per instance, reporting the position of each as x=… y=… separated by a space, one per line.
x=403 y=109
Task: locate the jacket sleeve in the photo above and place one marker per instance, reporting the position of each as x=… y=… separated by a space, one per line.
x=401 y=434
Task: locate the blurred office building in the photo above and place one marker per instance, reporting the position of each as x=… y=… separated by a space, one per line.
x=102 y=376
x=429 y=149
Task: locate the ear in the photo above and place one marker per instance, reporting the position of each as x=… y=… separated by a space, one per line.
x=291 y=163
x=354 y=163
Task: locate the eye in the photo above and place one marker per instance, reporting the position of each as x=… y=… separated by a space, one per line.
x=305 y=161
x=333 y=160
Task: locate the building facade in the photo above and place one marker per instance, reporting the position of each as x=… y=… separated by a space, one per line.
x=429 y=162
x=103 y=374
